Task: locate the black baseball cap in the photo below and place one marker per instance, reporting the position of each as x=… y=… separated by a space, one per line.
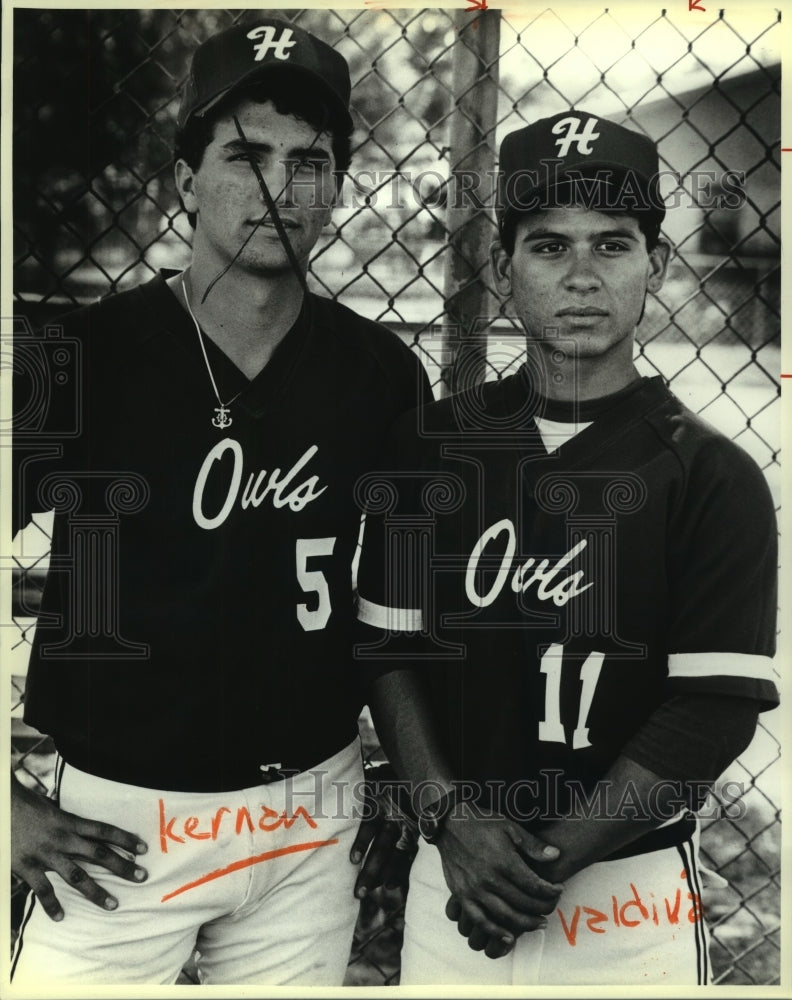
x=600 y=164
x=244 y=52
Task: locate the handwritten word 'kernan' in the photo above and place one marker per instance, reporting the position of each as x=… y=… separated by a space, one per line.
x=173 y=830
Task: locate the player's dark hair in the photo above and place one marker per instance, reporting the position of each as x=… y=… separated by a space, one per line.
x=291 y=96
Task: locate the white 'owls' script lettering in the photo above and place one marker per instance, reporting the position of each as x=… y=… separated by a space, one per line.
x=551 y=584
x=259 y=485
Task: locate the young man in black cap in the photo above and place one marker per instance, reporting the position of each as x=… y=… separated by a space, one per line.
x=193 y=656
x=588 y=641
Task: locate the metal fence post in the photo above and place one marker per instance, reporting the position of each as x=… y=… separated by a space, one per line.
x=471 y=155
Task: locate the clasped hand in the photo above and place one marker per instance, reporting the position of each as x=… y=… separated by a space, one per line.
x=496 y=894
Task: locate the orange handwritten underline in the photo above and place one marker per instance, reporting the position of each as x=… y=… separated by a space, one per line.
x=247 y=863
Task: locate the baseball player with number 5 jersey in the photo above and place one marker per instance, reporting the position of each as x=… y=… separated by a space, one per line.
x=193 y=659
x=567 y=600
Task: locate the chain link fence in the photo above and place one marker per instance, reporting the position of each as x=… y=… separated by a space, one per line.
x=434 y=91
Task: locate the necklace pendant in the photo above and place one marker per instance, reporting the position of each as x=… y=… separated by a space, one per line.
x=222 y=420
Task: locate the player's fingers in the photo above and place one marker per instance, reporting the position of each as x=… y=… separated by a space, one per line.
x=465 y=923
x=468 y=915
x=363 y=838
x=519 y=889
x=93 y=830
x=478 y=939
x=473 y=922
x=72 y=844
x=498 y=947
x=42 y=887
x=80 y=880
x=544 y=894
x=527 y=903
x=516 y=920
x=371 y=874
x=521 y=875
x=101 y=854
x=532 y=847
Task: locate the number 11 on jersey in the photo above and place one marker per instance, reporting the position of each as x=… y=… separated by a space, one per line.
x=551 y=728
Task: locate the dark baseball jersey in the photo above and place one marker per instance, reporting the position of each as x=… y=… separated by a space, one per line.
x=196 y=621
x=555 y=598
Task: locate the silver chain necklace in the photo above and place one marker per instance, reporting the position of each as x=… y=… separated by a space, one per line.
x=222 y=420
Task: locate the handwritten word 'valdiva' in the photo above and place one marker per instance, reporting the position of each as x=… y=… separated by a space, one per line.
x=632 y=912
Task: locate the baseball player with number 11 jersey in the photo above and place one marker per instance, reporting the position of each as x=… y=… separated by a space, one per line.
x=567 y=598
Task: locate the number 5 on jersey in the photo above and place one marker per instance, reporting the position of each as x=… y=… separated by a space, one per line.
x=551 y=729
x=313 y=581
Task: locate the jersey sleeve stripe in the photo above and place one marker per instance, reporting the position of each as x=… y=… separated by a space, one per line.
x=392 y=619
x=749 y=665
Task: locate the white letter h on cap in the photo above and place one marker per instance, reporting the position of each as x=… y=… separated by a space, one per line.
x=569 y=128
x=267 y=34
